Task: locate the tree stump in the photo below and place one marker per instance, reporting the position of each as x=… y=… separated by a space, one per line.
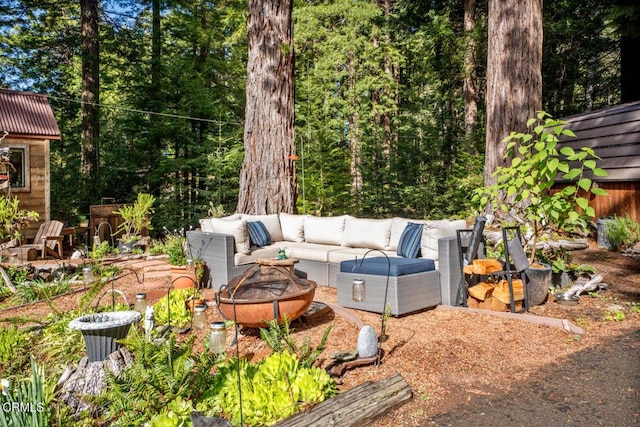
x=88 y=379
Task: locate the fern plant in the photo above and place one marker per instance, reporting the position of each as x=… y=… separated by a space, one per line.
x=279 y=339
x=160 y=374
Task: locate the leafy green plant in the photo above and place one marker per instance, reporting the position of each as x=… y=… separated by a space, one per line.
x=29 y=401
x=103 y=250
x=614 y=315
x=171 y=309
x=136 y=217
x=13 y=219
x=175 y=246
x=622 y=232
x=279 y=338
x=18 y=274
x=522 y=193
x=176 y=414
x=273 y=389
x=162 y=376
x=36 y=290
x=14 y=348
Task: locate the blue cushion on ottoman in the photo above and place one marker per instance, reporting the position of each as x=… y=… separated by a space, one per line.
x=378 y=266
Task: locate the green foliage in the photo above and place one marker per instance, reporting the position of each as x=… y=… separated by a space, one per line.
x=136 y=217
x=13 y=219
x=175 y=246
x=163 y=377
x=171 y=309
x=176 y=414
x=622 y=232
x=36 y=290
x=273 y=389
x=14 y=349
x=523 y=193
x=614 y=316
x=103 y=250
x=33 y=398
x=279 y=339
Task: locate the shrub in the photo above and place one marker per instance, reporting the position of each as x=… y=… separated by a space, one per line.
x=622 y=232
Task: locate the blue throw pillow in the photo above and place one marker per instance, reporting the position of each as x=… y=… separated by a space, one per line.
x=409 y=243
x=258 y=233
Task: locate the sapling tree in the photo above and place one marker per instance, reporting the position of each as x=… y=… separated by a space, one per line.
x=523 y=192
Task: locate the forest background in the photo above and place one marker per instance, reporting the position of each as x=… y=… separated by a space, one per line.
x=388 y=75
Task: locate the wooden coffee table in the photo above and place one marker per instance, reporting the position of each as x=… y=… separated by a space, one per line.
x=288 y=263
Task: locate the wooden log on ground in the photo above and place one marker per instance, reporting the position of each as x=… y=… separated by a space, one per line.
x=355 y=407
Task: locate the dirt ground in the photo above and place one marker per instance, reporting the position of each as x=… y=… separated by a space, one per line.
x=477 y=369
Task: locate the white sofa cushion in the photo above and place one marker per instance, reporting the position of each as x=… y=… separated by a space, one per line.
x=292 y=227
x=324 y=230
x=310 y=251
x=366 y=233
x=434 y=230
x=271 y=222
x=236 y=228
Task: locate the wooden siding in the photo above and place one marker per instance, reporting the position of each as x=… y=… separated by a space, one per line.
x=614 y=134
x=37 y=198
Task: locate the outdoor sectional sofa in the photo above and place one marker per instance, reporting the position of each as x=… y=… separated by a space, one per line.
x=322 y=244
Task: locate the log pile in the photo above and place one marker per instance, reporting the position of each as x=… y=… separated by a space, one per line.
x=490 y=294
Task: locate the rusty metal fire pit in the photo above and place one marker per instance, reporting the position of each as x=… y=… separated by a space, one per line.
x=265 y=293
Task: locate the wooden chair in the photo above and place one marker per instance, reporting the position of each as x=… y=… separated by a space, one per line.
x=48 y=240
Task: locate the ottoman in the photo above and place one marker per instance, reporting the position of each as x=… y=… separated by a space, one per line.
x=414 y=284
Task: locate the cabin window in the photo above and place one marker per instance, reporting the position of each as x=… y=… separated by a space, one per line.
x=19 y=156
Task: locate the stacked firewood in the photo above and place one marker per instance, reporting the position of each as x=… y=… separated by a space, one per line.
x=493 y=292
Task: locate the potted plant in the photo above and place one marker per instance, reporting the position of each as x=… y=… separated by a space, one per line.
x=136 y=217
x=523 y=193
x=185 y=271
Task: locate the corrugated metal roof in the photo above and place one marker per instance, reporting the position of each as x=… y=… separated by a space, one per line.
x=27 y=114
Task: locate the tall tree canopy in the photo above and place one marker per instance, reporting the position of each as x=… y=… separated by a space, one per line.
x=380 y=105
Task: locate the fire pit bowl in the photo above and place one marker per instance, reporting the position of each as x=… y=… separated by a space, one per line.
x=265 y=293
x=102 y=330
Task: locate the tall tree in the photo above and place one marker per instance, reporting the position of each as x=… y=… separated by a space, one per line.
x=268 y=180
x=470 y=76
x=514 y=73
x=90 y=93
x=626 y=15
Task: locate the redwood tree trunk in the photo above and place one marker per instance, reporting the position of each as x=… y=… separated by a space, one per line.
x=470 y=77
x=268 y=180
x=90 y=93
x=514 y=73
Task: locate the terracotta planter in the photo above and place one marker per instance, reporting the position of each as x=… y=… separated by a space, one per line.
x=181 y=279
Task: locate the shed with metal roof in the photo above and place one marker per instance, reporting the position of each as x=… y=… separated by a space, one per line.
x=27 y=125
